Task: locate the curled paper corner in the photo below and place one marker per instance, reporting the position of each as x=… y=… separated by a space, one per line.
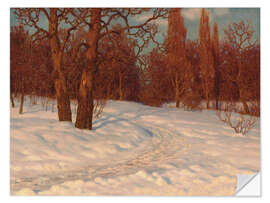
x=248 y=185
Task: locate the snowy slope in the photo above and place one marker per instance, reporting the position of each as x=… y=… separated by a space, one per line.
x=132 y=150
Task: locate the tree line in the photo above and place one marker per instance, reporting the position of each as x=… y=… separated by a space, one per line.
x=208 y=68
x=87 y=55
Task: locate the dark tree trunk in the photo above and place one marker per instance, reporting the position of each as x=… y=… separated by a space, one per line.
x=217 y=106
x=217 y=81
x=12 y=101
x=241 y=86
x=86 y=97
x=120 y=87
x=207 y=97
x=177 y=92
x=62 y=96
x=85 y=102
x=215 y=48
x=63 y=106
x=243 y=101
x=177 y=97
x=246 y=109
x=207 y=102
x=21 y=103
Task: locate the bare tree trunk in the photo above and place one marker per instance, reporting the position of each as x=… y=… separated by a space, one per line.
x=63 y=102
x=85 y=102
x=215 y=48
x=241 y=86
x=85 y=97
x=246 y=109
x=62 y=96
x=12 y=101
x=207 y=102
x=217 y=93
x=217 y=90
x=120 y=87
x=243 y=101
x=206 y=90
x=21 y=103
x=217 y=106
x=177 y=97
x=177 y=92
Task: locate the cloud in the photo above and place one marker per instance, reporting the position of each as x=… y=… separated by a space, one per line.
x=221 y=11
x=144 y=17
x=159 y=21
x=162 y=21
x=195 y=13
x=191 y=13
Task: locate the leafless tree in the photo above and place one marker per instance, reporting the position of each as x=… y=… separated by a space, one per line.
x=216 y=58
x=242 y=124
x=99 y=23
x=178 y=66
x=54 y=16
x=21 y=62
x=239 y=37
x=206 y=57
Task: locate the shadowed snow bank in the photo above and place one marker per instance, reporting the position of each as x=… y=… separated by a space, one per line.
x=132 y=150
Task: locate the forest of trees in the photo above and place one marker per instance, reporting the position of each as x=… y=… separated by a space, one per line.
x=85 y=55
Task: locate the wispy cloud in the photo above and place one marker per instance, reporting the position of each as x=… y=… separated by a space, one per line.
x=191 y=13
x=221 y=11
x=162 y=21
x=159 y=21
x=195 y=13
x=144 y=17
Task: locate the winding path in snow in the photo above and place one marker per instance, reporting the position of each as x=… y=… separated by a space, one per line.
x=161 y=148
x=132 y=150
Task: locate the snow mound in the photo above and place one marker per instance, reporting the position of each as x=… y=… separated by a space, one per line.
x=132 y=150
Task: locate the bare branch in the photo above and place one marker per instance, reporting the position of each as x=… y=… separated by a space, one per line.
x=243 y=124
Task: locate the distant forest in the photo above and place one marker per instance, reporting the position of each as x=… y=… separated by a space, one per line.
x=92 y=60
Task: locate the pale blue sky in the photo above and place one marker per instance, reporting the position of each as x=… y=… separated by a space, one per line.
x=222 y=16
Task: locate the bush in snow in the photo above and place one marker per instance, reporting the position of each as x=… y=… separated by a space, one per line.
x=241 y=123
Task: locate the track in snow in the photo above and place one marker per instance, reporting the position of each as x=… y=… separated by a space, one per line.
x=162 y=147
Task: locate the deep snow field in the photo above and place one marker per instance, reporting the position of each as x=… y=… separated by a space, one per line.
x=133 y=149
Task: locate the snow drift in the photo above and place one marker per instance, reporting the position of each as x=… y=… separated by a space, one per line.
x=132 y=150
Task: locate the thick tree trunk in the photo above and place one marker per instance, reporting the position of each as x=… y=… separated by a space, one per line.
x=63 y=102
x=85 y=102
x=62 y=96
x=86 y=97
x=12 y=101
x=21 y=103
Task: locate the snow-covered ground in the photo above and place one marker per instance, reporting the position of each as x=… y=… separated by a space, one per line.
x=132 y=150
